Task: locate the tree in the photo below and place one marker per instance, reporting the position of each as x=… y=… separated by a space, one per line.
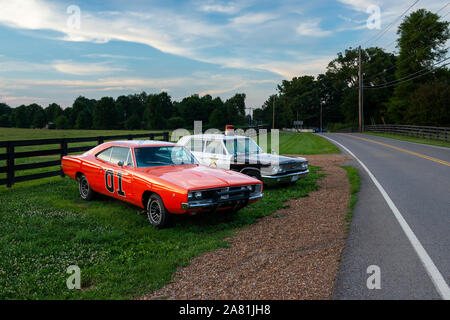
x=301 y=96
x=5 y=115
x=84 y=120
x=175 y=123
x=79 y=105
x=235 y=109
x=422 y=39
x=53 y=111
x=133 y=122
x=62 y=122
x=429 y=104
x=105 y=114
x=158 y=108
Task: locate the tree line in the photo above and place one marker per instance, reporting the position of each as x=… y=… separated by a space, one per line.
x=134 y=111
x=388 y=95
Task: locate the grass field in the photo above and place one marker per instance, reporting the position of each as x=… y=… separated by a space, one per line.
x=46 y=227
x=303 y=143
x=411 y=139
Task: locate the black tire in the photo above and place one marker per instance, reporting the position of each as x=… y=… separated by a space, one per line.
x=157 y=214
x=86 y=192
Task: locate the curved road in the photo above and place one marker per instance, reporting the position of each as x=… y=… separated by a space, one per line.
x=414 y=264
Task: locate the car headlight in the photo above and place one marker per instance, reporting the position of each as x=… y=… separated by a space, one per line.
x=305 y=165
x=194 y=195
x=256 y=188
x=275 y=169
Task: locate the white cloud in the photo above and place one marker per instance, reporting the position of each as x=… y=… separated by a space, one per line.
x=84 y=69
x=360 y=5
x=221 y=7
x=21 y=100
x=253 y=18
x=312 y=29
x=22 y=66
x=115 y=56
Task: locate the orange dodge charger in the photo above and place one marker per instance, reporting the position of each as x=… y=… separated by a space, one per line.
x=161 y=177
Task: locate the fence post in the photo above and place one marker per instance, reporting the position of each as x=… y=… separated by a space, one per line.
x=152 y=136
x=166 y=136
x=100 y=140
x=10 y=165
x=63 y=153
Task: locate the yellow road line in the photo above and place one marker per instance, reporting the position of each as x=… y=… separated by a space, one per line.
x=401 y=149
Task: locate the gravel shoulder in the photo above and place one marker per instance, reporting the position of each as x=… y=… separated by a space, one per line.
x=292 y=254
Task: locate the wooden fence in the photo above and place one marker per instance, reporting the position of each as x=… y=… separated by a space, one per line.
x=64 y=149
x=436 y=133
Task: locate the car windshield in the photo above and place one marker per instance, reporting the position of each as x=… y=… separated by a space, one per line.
x=163 y=156
x=241 y=145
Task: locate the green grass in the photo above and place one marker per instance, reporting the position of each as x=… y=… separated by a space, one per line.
x=411 y=139
x=302 y=143
x=45 y=227
x=355 y=182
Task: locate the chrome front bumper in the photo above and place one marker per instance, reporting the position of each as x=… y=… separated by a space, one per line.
x=230 y=202
x=285 y=177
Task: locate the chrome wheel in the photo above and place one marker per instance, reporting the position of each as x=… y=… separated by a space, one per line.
x=84 y=187
x=154 y=212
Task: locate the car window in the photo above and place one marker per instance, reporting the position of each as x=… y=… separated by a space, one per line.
x=215 y=146
x=241 y=145
x=119 y=154
x=197 y=145
x=163 y=156
x=105 y=155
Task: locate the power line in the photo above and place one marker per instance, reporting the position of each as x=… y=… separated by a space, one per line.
x=411 y=57
x=404 y=79
x=410 y=74
x=387 y=46
x=381 y=33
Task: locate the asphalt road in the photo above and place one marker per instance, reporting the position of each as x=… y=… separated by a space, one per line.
x=417 y=180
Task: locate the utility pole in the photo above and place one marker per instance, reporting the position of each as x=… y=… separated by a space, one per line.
x=273 y=114
x=360 y=89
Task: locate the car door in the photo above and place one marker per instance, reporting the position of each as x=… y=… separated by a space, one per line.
x=119 y=173
x=215 y=154
x=98 y=172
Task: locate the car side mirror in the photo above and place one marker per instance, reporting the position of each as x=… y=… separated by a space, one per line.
x=120 y=163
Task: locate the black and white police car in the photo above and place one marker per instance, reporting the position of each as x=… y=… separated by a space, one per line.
x=242 y=154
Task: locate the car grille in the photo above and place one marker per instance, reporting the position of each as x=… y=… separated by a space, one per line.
x=226 y=193
x=292 y=167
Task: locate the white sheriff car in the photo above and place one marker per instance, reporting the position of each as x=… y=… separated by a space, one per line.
x=242 y=154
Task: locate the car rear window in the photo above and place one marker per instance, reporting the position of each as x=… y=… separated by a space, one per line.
x=119 y=154
x=105 y=155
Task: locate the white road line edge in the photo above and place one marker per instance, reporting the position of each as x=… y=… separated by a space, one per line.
x=436 y=277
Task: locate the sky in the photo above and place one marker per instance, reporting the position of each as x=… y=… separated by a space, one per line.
x=55 y=51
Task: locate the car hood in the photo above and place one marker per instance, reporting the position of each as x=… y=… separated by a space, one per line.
x=267 y=159
x=196 y=177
